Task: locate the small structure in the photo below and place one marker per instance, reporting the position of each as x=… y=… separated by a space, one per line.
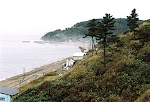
x=69 y=64
x=6 y=93
x=79 y=56
x=66 y=66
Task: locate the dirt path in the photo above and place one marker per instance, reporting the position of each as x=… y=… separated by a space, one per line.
x=22 y=79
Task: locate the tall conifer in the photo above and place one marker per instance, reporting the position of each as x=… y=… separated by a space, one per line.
x=104 y=29
x=132 y=20
x=92 y=27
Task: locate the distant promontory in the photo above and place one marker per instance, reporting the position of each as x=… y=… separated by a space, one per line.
x=78 y=31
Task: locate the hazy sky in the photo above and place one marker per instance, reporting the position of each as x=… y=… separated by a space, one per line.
x=41 y=16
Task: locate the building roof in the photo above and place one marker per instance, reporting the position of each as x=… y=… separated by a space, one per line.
x=79 y=54
x=8 y=91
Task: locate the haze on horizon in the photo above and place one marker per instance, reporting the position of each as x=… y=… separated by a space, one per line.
x=37 y=17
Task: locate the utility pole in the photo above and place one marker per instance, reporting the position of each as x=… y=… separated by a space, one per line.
x=118 y=25
x=23 y=73
x=35 y=80
x=62 y=69
x=43 y=76
x=19 y=83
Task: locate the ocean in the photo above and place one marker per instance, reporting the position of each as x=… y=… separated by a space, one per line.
x=23 y=53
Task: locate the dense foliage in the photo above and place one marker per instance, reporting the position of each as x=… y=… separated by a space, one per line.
x=143 y=33
x=126 y=78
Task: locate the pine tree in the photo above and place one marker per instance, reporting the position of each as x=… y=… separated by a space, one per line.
x=92 y=27
x=104 y=29
x=100 y=33
x=132 y=20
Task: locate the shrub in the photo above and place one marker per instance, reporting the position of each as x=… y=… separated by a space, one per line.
x=143 y=33
x=136 y=45
x=52 y=74
x=144 y=57
x=114 y=98
x=144 y=97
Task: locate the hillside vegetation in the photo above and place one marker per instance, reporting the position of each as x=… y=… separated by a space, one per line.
x=126 y=77
x=78 y=31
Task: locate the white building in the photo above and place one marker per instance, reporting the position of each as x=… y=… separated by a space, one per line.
x=79 y=56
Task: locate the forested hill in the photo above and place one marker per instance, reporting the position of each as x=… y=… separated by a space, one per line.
x=76 y=32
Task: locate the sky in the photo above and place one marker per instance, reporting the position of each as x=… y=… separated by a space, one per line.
x=37 y=17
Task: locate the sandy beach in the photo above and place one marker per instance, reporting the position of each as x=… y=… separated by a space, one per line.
x=22 y=79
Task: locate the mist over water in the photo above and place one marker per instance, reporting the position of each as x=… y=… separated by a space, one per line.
x=16 y=55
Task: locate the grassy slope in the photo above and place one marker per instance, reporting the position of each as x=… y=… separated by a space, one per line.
x=126 y=77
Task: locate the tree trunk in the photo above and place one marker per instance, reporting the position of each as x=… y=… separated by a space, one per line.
x=105 y=51
x=92 y=45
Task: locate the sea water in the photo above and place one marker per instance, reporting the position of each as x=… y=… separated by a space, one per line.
x=24 y=53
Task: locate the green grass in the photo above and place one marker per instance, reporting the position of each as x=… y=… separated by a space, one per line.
x=126 y=77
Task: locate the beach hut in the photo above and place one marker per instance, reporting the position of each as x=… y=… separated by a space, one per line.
x=79 y=56
x=6 y=93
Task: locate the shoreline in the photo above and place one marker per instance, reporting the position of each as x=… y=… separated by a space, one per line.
x=24 y=78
